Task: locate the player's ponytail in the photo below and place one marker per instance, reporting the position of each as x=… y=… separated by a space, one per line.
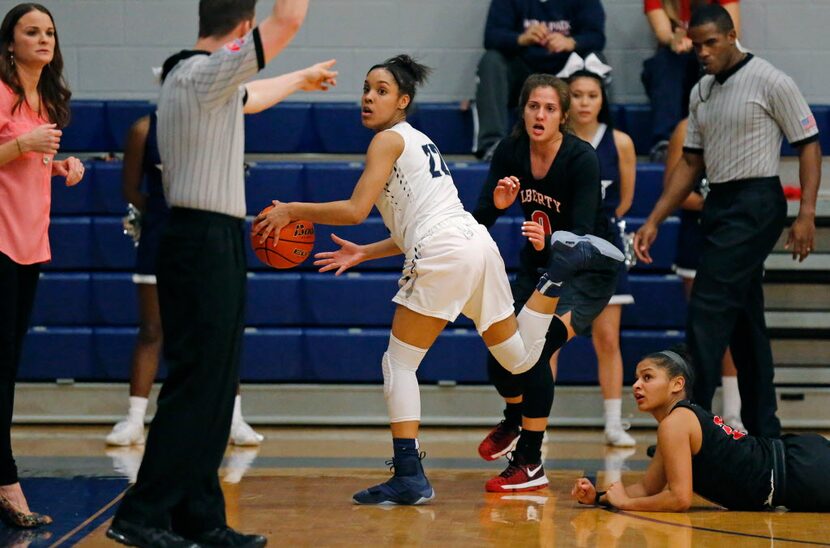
x=677 y=363
x=408 y=74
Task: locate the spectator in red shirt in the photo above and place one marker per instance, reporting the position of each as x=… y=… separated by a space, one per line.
x=671 y=73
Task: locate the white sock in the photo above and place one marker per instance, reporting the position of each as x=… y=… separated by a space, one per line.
x=731 y=397
x=237 y=410
x=613 y=414
x=138 y=408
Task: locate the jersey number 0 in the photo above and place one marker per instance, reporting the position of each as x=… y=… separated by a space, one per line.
x=432 y=153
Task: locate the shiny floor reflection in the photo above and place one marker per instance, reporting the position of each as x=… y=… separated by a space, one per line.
x=296 y=489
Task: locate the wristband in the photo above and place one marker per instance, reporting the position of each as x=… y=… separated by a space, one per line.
x=598 y=502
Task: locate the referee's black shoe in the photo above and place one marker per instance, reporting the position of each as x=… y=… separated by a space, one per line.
x=133 y=534
x=650 y=450
x=225 y=536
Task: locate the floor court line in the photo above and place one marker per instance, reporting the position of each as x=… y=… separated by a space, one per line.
x=88 y=521
x=713 y=530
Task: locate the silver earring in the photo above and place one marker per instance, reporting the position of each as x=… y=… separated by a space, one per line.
x=11 y=56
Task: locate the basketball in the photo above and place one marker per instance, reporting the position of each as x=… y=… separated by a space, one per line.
x=294 y=246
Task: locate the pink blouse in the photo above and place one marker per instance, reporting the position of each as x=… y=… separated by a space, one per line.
x=25 y=188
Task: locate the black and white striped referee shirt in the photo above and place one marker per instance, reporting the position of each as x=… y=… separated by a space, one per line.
x=201 y=133
x=737 y=120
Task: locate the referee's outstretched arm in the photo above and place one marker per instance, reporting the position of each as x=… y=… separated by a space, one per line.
x=679 y=185
x=279 y=28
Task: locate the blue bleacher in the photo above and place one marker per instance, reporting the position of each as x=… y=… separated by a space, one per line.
x=73 y=200
x=647 y=189
x=120 y=116
x=268 y=181
x=51 y=353
x=305 y=326
x=87 y=129
x=71 y=242
x=335 y=128
x=62 y=299
x=636 y=121
x=274 y=355
x=284 y=128
x=338 y=128
x=324 y=355
x=449 y=127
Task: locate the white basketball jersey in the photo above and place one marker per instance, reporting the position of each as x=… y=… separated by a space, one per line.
x=420 y=192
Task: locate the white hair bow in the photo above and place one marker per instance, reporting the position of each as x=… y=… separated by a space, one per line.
x=590 y=64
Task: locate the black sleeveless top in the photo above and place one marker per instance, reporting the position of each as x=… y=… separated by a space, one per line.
x=732 y=469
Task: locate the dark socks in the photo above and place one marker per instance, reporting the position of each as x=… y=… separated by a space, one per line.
x=530 y=446
x=407 y=462
x=513 y=414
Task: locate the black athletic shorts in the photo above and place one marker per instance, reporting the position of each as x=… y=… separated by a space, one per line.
x=808 y=473
x=585 y=296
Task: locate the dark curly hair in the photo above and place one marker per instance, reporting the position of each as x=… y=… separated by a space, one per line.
x=408 y=73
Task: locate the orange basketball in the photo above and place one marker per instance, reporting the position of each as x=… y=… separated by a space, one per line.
x=294 y=246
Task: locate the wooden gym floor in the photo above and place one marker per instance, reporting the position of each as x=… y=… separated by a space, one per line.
x=296 y=489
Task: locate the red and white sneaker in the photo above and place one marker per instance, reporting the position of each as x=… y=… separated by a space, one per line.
x=518 y=476
x=500 y=441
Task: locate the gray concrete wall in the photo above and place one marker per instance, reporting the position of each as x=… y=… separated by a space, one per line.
x=110 y=45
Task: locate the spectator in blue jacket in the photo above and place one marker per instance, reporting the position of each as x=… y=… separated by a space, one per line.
x=523 y=37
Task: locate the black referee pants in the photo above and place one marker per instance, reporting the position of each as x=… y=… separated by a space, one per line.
x=17 y=296
x=201 y=285
x=741 y=222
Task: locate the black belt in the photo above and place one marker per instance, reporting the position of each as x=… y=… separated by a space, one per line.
x=740 y=184
x=779 y=473
x=190 y=214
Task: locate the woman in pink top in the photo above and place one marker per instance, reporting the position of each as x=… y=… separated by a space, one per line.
x=34 y=105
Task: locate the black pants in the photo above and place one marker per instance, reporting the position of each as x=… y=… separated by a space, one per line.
x=741 y=222
x=201 y=285
x=17 y=296
x=668 y=78
x=807 y=463
x=500 y=77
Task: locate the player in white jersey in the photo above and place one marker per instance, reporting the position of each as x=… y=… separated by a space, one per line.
x=452 y=264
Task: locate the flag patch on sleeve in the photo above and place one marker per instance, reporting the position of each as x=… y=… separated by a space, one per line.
x=808 y=123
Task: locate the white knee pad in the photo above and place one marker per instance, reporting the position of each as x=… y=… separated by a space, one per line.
x=522 y=350
x=400 y=384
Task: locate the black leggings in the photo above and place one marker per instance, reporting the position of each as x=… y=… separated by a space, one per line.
x=536 y=386
x=17 y=296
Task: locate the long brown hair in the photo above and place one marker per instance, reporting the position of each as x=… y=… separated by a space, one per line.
x=52 y=87
x=541 y=81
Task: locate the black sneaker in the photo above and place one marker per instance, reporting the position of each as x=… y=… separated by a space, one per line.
x=133 y=534
x=650 y=450
x=408 y=486
x=225 y=536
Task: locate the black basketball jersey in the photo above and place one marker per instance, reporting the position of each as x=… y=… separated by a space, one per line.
x=568 y=197
x=732 y=469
